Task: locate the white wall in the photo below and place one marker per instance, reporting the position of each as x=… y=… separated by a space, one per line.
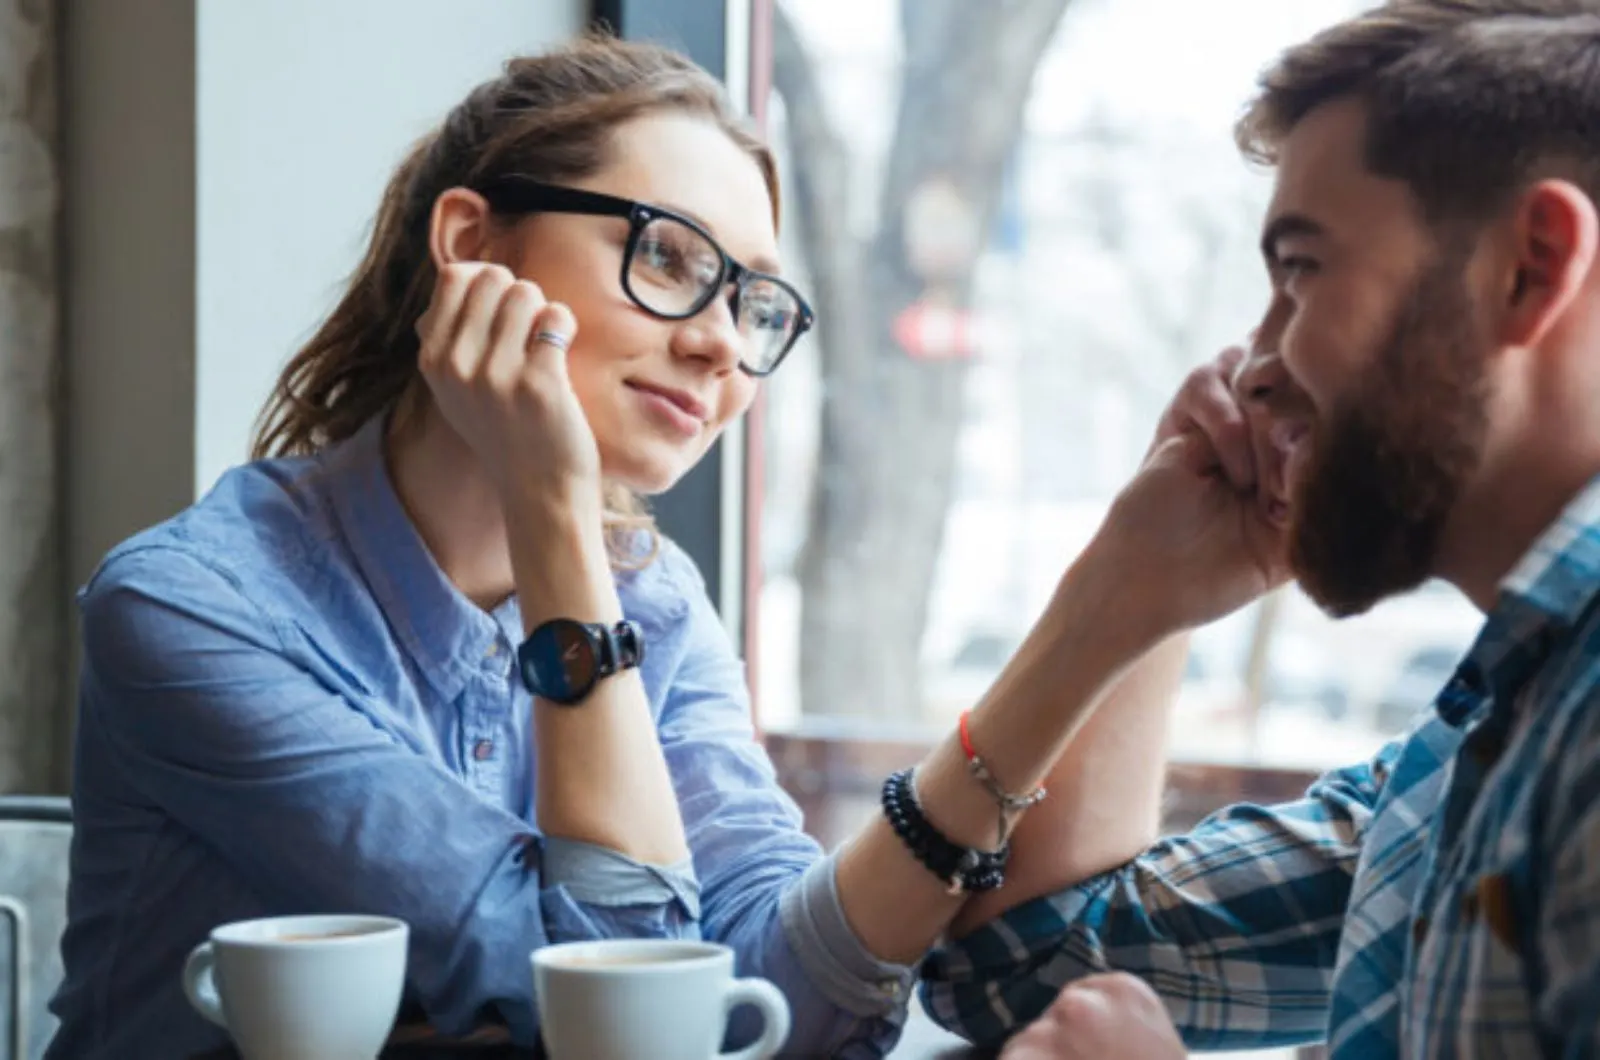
x=305 y=107
x=222 y=160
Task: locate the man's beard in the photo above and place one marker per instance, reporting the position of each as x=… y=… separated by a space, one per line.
x=1388 y=464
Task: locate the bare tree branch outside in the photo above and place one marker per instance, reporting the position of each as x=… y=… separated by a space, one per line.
x=891 y=415
x=1022 y=222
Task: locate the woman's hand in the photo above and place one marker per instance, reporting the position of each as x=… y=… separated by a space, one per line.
x=1103 y=1017
x=494 y=354
x=1187 y=540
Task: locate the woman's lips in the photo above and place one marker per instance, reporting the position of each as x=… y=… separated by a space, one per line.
x=681 y=413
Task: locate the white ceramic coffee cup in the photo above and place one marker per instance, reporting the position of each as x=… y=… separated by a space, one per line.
x=623 y=999
x=294 y=988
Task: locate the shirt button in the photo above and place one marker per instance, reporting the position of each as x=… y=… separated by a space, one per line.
x=890 y=989
x=483 y=750
x=492 y=651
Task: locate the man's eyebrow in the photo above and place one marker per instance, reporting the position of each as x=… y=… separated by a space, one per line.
x=1283 y=227
x=760 y=263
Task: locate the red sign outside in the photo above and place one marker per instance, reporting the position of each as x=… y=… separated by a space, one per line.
x=928 y=331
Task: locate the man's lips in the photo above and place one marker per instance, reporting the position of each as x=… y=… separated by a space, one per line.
x=1286 y=440
x=1285 y=435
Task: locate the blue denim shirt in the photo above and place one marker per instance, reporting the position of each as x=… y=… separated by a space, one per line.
x=286 y=708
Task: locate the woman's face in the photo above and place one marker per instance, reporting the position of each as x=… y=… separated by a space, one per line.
x=657 y=392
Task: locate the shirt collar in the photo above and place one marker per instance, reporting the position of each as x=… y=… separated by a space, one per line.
x=1546 y=594
x=447 y=636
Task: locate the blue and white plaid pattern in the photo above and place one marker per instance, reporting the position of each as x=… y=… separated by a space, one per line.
x=1441 y=900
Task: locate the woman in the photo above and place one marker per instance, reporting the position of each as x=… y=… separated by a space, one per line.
x=313 y=690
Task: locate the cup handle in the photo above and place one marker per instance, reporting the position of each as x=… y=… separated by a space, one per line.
x=200 y=984
x=774 y=1017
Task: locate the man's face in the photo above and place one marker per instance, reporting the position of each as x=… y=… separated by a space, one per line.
x=1369 y=367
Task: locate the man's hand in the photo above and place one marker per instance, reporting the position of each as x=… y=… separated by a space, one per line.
x=1188 y=540
x=1103 y=1017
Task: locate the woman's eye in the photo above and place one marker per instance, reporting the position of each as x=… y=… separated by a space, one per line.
x=659 y=255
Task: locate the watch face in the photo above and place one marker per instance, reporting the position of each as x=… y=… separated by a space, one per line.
x=563 y=659
x=559 y=663
x=575 y=654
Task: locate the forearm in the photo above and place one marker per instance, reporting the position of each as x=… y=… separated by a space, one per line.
x=1241 y=967
x=1077 y=651
x=602 y=778
x=843 y=1003
x=1104 y=806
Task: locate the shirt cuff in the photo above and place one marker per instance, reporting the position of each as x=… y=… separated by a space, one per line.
x=598 y=876
x=831 y=954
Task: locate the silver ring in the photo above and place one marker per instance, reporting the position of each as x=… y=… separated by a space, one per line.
x=553 y=338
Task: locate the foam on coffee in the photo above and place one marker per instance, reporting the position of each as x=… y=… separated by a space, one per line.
x=618 y=960
x=325 y=935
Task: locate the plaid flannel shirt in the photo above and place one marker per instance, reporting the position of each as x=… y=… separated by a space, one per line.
x=1440 y=900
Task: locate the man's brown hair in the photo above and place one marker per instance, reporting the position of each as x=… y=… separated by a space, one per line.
x=1467 y=100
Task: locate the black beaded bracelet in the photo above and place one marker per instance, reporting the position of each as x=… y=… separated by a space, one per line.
x=963 y=869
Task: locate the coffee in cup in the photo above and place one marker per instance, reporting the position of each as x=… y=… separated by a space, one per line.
x=622 y=999
x=290 y=988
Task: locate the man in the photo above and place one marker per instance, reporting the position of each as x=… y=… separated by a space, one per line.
x=1423 y=398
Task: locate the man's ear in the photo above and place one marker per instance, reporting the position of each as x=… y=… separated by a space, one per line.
x=1555 y=229
x=459 y=228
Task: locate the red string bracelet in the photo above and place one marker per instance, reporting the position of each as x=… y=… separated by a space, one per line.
x=1010 y=805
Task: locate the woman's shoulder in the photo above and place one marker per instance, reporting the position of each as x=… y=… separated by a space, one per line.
x=664 y=585
x=256 y=516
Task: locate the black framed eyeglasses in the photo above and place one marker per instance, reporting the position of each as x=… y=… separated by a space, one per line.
x=672 y=268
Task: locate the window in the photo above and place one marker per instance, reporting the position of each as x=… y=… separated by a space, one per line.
x=1019 y=235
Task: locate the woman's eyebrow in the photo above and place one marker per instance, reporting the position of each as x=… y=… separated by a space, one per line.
x=760 y=263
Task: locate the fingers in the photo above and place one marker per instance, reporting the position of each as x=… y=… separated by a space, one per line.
x=1212 y=408
x=1264 y=390
x=507 y=356
x=1230 y=360
x=454 y=331
x=437 y=326
x=552 y=334
x=484 y=322
x=1121 y=990
x=1102 y=1016
x=470 y=346
x=1190 y=450
x=1207 y=404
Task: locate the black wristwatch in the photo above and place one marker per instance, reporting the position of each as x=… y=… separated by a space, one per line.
x=563 y=659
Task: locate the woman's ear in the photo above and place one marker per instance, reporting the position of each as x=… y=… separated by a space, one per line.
x=459 y=228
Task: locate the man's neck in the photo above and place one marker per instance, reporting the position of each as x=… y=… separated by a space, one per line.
x=1504 y=515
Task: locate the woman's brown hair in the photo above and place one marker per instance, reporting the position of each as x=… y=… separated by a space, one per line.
x=549 y=117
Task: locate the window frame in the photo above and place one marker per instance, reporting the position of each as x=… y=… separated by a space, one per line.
x=705 y=512
x=708 y=513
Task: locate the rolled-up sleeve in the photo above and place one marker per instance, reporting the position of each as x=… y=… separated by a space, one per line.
x=205 y=712
x=767 y=890
x=1235 y=924
x=600 y=876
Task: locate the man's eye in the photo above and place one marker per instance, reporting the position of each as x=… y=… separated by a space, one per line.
x=1296 y=265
